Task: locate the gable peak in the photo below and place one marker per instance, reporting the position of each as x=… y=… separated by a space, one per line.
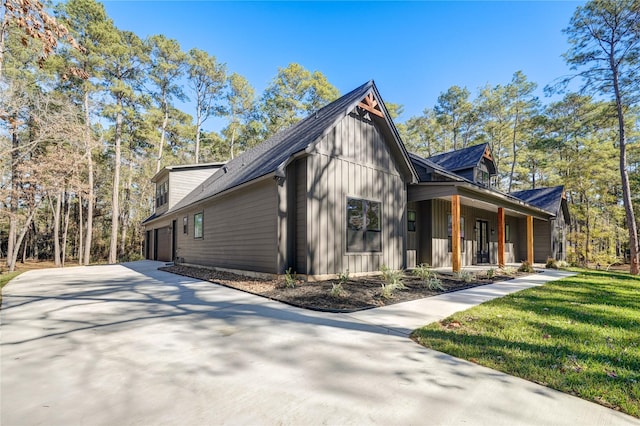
x=371 y=104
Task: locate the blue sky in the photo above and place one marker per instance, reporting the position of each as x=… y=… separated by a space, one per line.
x=413 y=50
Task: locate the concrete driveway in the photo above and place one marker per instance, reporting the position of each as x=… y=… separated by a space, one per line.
x=130 y=345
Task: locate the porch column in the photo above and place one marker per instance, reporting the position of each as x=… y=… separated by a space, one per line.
x=500 y=236
x=455 y=233
x=530 y=239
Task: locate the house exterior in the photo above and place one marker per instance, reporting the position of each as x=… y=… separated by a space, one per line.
x=549 y=237
x=172 y=184
x=339 y=191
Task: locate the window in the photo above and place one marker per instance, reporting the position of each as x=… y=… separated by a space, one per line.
x=197 y=225
x=482 y=176
x=507 y=233
x=450 y=232
x=411 y=221
x=185 y=225
x=162 y=193
x=363 y=226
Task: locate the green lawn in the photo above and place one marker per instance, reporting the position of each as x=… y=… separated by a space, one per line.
x=580 y=335
x=5 y=278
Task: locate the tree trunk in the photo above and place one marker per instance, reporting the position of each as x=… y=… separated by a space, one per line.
x=233 y=137
x=56 y=229
x=513 y=146
x=14 y=256
x=65 y=231
x=161 y=146
x=115 y=216
x=13 y=203
x=90 y=196
x=126 y=202
x=80 y=229
x=198 y=126
x=634 y=242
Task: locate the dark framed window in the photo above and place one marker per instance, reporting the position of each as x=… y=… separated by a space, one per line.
x=507 y=233
x=197 y=225
x=364 y=219
x=411 y=221
x=162 y=193
x=185 y=225
x=450 y=233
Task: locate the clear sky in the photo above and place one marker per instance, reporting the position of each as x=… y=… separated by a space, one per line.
x=413 y=50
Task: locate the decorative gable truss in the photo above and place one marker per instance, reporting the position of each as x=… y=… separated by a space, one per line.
x=370 y=104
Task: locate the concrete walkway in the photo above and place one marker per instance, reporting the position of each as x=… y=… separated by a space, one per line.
x=130 y=345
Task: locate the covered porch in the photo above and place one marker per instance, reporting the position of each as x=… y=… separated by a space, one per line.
x=458 y=225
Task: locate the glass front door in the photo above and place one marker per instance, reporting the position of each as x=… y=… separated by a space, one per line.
x=482 y=241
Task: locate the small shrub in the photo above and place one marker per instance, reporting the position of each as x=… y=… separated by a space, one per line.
x=434 y=283
x=424 y=272
x=561 y=264
x=526 y=267
x=343 y=277
x=508 y=271
x=490 y=273
x=337 y=290
x=290 y=278
x=393 y=280
x=551 y=263
x=465 y=276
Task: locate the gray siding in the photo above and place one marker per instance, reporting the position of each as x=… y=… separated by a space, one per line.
x=353 y=160
x=301 y=216
x=542 y=241
x=182 y=182
x=240 y=230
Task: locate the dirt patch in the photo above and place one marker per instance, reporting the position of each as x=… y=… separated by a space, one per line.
x=359 y=293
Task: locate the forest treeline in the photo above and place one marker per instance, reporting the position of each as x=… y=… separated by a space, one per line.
x=89 y=113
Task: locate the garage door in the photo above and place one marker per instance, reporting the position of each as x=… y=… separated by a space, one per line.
x=163 y=244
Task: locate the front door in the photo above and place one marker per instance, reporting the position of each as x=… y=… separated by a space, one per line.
x=482 y=241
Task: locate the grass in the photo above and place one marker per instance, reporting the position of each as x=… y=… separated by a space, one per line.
x=5 y=278
x=579 y=335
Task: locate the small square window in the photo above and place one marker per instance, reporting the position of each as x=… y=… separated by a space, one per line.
x=197 y=225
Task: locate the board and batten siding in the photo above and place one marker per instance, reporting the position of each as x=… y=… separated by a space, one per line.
x=182 y=182
x=239 y=230
x=441 y=256
x=352 y=160
x=301 y=216
x=542 y=238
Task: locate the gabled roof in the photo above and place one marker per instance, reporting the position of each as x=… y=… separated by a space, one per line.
x=166 y=169
x=423 y=165
x=464 y=158
x=549 y=199
x=274 y=154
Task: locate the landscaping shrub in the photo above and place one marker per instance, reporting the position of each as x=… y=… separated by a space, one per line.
x=393 y=280
x=551 y=263
x=465 y=276
x=526 y=267
x=290 y=278
x=337 y=290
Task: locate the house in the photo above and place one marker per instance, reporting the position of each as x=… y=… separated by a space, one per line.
x=339 y=191
x=549 y=237
x=172 y=184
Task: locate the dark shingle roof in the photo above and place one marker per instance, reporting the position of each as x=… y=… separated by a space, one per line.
x=424 y=166
x=274 y=153
x=548 y=199
x=460 y=159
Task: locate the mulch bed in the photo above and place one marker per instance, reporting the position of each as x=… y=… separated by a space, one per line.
x=360 y=293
